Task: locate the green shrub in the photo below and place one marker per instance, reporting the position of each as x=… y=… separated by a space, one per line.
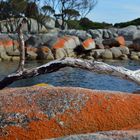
x=74 y=24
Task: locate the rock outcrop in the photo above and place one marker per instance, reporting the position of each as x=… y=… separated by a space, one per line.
x=114 y=43
x=108 y=135
x=43 y=112
x=10 y=26
x=64 y=46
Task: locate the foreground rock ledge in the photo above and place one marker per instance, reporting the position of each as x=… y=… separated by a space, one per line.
x=43 y=113
x=108 y=135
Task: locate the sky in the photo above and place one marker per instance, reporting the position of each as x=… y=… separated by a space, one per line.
x=115 y=11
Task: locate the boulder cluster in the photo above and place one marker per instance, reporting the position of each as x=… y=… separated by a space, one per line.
x=110 y=43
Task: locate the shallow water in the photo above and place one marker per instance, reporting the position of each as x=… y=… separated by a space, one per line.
x=75 y=77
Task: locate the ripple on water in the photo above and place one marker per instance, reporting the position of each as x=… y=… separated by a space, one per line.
x=75 y=77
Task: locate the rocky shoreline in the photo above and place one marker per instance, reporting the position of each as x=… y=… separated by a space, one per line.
x=121 y=44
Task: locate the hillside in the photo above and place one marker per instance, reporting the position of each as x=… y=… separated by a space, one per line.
x=124 y=24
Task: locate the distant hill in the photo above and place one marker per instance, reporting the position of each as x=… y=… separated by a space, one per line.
x=124 y=24
x=85 y=24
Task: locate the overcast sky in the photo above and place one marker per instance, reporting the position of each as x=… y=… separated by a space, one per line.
x=114 y=11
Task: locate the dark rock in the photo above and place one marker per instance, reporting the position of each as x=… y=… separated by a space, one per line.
x=95 y=33
x=44 y=53
x=97 y=53
x=136 y=41
x=34 y=41
x=118 y=41
x=105 y=34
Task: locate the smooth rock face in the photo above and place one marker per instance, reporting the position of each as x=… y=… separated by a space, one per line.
x=116 y=52
x=128 y=32
x=49 y=23
x=124 y=50
x=107 y=54
x=32 y=26
x=47 y=112
x=134 y=57
x=82 y=35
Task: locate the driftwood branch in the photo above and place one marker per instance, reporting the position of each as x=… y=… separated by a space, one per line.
x=21 y=44
x=93 y=66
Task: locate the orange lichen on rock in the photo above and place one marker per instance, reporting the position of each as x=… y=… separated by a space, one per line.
x=1 y=43
x=32 y=49
x=87 y=42
x=45 y=49
x=121 y=40
x=16 y=43
x=40 y=112
x=61 y=42
x=8 y=43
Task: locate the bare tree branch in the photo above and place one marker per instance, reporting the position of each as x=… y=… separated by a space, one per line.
x=93 y=66
x=21 y=45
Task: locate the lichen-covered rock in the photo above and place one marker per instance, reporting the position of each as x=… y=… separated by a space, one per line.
x=31 y=53
x=118 y=41
x=11 y=47
x=40 y=112
x=44 y=53
x=65 y=46
x=88 y=44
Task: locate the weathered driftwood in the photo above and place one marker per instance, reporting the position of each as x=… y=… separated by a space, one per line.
x=94 y=66
x=21 y=45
